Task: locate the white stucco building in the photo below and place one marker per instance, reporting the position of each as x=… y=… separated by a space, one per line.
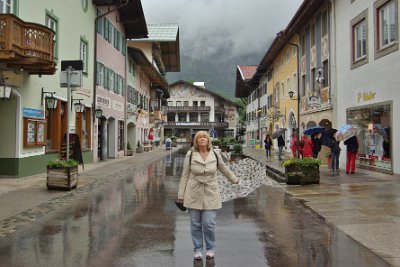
x=193 y=108
x=367 y=52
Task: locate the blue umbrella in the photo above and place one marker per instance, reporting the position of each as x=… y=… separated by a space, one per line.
x=327 y=137
x=314 y=130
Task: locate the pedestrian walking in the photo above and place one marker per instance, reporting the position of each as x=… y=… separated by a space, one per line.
x=268 y=145
x=316 y=145
x=281 y=144
x=335 y=152
x=307 y=147
x=352 y=149
x=294 y=145
x=199 y=192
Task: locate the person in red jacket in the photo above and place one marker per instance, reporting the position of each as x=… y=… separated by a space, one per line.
x=294 y=145
x=308 y=147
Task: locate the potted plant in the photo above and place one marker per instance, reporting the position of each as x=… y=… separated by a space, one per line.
x=302 y=171
x=216 y=143
x=139 y=147
x=237 y=151
x=129 y=151
x=62 y=174
x=225 y=145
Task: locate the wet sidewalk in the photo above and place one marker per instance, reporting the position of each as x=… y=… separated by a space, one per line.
x=364 y=205
x=18 y=195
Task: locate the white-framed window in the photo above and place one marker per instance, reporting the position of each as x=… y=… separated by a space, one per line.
x=83 y=54
x=51 y=22
x=313 y=79
x=360 y=40
x=324 y=23
x=295 y=83
x=288 y=89
x=387 y=26
x=282 y=89
x=100 y=74
x=100 y=23
x=303 y=44
x=312 y=34
x=325 y=73
x=6 y=6
x=287 y=56
x=110 y=80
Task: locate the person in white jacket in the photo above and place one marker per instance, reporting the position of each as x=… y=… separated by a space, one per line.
x=199 y=192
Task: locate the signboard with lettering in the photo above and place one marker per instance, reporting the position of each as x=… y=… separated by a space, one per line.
x=75 y=151
x=33 y=113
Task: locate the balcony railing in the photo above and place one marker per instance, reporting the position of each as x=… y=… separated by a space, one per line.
x=25 y=45
x=215 y=125
x=187 y=108
x=219 y=109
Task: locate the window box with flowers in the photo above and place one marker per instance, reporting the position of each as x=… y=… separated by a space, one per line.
x=302 y=171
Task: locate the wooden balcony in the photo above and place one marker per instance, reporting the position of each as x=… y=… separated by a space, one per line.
x=27 y=46
x=187 y=108
x=209 y=125
x=219 y=109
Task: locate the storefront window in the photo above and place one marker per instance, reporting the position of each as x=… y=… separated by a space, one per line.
x=374 y=136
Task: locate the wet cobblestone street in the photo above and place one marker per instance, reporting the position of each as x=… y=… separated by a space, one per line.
x=127 y=217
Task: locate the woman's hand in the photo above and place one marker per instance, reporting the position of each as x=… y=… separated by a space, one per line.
x=179 y=200
x=237 y=182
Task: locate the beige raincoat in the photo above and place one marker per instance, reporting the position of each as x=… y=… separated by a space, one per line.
x=199 y=186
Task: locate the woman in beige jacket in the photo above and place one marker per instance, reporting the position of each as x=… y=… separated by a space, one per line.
x=199 y=191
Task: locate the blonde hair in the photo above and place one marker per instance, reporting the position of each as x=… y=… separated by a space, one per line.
x=197 y=136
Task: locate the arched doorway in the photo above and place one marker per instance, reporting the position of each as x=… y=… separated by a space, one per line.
x=131 y=134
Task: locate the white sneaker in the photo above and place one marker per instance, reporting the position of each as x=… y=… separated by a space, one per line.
x=209 y=254
x=198 y=255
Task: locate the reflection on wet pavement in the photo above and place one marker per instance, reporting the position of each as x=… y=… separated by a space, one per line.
x=134 y=222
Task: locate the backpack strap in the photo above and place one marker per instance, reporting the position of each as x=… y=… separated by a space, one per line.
x=191 y=154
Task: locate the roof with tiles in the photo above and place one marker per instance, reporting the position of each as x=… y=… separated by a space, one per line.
x=247 y=72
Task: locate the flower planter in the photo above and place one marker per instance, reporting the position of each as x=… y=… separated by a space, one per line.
x=302 y=175
x=129 y=152
x=62 y=177
x=139 y=150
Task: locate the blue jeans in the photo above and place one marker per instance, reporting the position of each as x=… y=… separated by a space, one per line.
x=268 y=151
x=280 y=152
x=202 y=224
x=335 y=160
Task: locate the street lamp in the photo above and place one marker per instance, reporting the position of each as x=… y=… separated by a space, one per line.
x=79 y=107
x=51 y=101
x=98 y=112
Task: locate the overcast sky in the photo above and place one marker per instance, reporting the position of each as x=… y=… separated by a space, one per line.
x=206 y=26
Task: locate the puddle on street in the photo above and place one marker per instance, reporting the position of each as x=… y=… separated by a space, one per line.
x=134 y=222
